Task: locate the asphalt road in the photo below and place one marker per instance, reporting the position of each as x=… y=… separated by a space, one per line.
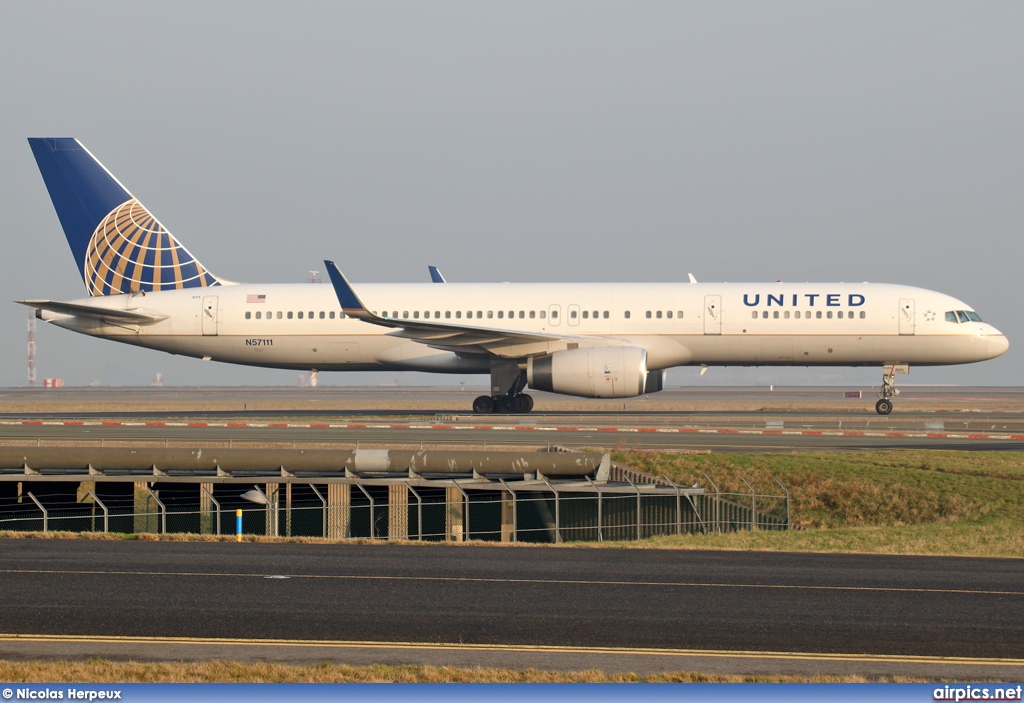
x=715 y=419
x=572 y=600
x=713 y=439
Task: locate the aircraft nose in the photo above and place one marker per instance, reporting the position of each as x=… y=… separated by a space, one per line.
x=997 y=346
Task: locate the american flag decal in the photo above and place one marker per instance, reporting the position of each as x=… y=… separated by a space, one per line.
x=255 y=298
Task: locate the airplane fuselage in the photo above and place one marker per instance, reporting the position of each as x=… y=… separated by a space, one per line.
x=301 y=326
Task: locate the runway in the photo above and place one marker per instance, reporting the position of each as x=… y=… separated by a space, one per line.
x=719 y=419
x=616 y=609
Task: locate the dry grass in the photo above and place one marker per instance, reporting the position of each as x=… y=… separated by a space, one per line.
x=103 y=671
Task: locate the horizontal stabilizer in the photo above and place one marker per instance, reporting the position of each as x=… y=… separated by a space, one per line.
x=97 y=313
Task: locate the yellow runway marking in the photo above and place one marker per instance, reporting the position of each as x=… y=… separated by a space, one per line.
x=567 y=582
x=514 y=648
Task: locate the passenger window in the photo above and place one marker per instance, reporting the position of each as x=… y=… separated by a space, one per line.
x=331 y=314
x=479 y=314
x=258 y=315
x=680 y=314
x=862 y=314
x=817 y=314
x=490 y=314
x=764 y=314
x=796 y=315
x=648 y=315
x=341 y=315
x=511 y=314
x=522 y=314
x=775 y=314
x=279 y=315
x=807 y=314
x=310 y=314
x=248 y=315
x=658 y=314
x=840 y=314
x=532 y=314
x=300 y=314
x=554 y=314
x=447 y=314
x=829 y=315
x=501 y=314
x=458 y=314
x=606 y=314
x=595 y=314
x=322 y=314
x=586 y=314
x=786 y=314
x=572 y=314
x=669 y=314
x=754 y=314
x=627 y=314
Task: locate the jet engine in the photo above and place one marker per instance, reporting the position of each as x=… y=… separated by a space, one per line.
x=593 y=372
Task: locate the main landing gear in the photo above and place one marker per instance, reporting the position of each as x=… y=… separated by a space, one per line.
x=503 y=404
x=888 y=392
x=507 y=397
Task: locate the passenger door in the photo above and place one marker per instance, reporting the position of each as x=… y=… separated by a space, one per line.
x=712 y=314
x=209 y=315
x=906 y=316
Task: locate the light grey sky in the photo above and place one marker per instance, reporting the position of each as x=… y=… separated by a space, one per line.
x=527 y=141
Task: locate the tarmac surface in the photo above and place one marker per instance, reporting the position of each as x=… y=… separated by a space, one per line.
x=706 y=419
x=552 y=608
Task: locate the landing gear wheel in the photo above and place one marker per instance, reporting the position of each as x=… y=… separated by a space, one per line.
x=524 y=403
x=883 y=407
x=504 y=405
x=483 y=405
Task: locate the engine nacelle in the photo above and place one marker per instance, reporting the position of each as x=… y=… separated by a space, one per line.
x=593 y=372
x=655 y=381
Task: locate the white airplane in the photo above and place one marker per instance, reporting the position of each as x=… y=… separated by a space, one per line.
x=595 y=340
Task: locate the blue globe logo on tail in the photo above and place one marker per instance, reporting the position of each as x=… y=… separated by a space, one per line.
x=117 y=243
x=130 y=251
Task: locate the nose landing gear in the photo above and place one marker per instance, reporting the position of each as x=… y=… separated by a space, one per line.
x=888 y=390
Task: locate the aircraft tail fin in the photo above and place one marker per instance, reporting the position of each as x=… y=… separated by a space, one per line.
x=118 y=245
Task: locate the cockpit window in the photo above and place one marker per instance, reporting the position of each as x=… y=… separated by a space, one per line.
x=959 y=316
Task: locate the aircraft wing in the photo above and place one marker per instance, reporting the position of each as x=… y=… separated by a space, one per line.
x=94 y=312
x=464 y=339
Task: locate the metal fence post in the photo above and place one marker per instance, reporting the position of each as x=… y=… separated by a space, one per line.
x=558 y=514
x=718 y=502
x=465 y=513
x=600 y=500
x=373 y=527
x=753 y=504
x=638 y=508
x=106 y=514
x=216 y=504
x=789 y=519
x=46 y=515
x=324 y=511
x=419 y=511
x=163 y=510
x=515 y=510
